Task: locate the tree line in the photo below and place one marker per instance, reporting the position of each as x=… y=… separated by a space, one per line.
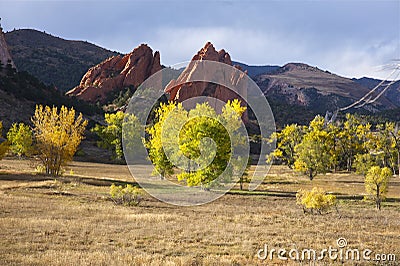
x=345 y=145
x=350 y=145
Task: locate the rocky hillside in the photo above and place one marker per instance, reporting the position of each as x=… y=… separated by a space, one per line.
x=117 y=73
x=20 y=92
x=392 y=92
x=303 y=85
x=51 y=59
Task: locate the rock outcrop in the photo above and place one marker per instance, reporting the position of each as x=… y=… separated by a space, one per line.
x=5 y=56
x=116 y=73
x=181 y=89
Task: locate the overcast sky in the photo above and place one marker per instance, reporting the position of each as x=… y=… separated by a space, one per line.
x=353 y=39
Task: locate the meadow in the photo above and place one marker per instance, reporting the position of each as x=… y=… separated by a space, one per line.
x=71 y=220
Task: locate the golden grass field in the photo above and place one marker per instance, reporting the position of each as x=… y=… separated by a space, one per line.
x=71 y=221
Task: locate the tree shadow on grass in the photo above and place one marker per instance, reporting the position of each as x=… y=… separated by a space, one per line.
x=23 y=177
x=93 y=181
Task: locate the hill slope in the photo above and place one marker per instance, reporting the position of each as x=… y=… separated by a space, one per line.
x=20 y=92
x=392 y=92
x=51 y=59
x=318 y=90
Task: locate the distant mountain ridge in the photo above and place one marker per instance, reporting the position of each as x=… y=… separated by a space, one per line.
x=51 y=59
x=254 y=71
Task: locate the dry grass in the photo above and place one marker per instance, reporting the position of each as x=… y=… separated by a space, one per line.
x=71 y=221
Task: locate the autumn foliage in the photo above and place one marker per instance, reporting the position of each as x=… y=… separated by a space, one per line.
x=376 y=182
x=315 y=200
x=20 y=139
x=199 y=140
x=58 y=134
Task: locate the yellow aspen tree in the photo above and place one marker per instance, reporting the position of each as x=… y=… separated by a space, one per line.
x=376 y=182
x=313 y=153
x=57 y=135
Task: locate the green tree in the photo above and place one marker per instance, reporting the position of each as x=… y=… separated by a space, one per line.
x=395 y=133
x=376 y=182
x=334 y=131
x=364 y=162
x=382 y=148
x=162 y=164
x=231 y=120
x=198 y=141
x=387 y=142
x=313 y=153
x=131 y=128
x=210 y=140
x=286 y=141
x=111 y=133
x=57 y=135
x=383 y=145
x=350 y=140
x=204 y=140
x=20 y=139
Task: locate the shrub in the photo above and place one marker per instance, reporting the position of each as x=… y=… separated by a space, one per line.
x=20 y=138
x=117 y=126
x=128 y=195
x=315 y=200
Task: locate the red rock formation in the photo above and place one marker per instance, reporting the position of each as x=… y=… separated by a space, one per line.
x=5 y=56
x=181 y=90
x=117 y=73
